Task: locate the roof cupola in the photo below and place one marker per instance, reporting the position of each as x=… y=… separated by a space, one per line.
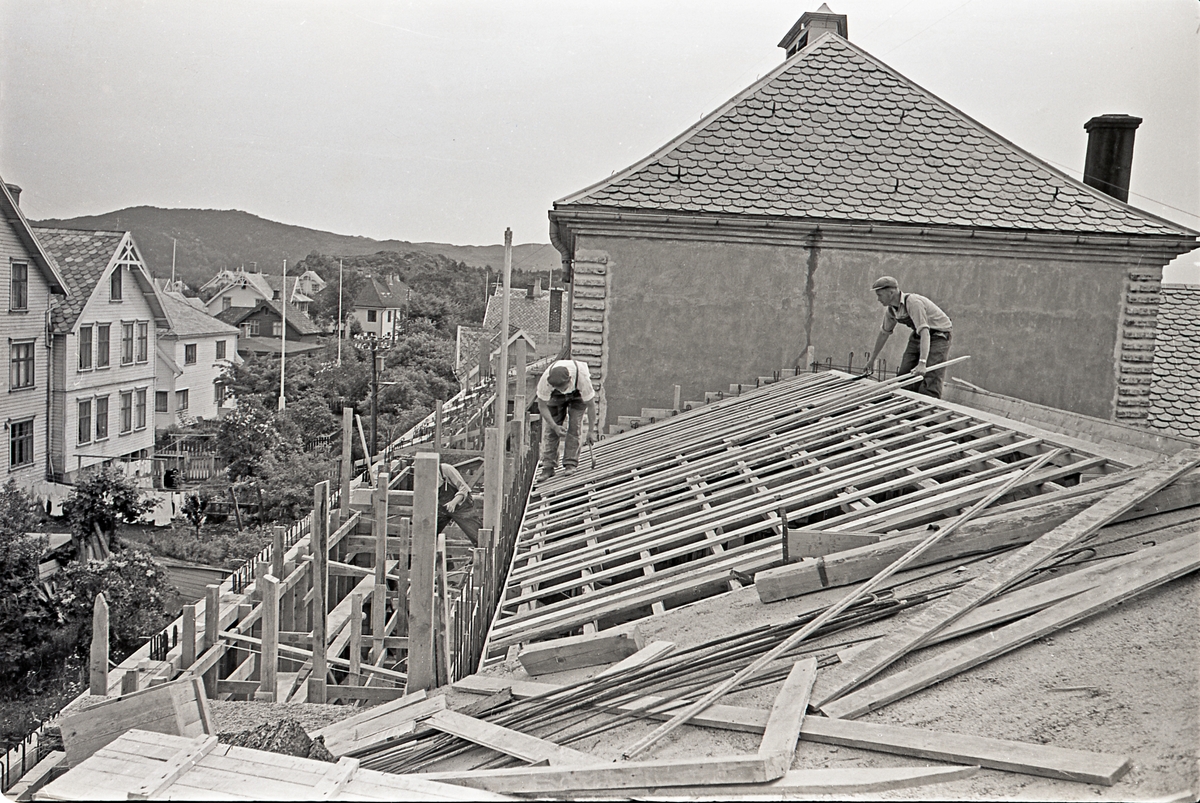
x=811 y=25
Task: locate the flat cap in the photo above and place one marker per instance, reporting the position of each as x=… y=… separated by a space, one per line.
x=885 y=281
x=558 y=376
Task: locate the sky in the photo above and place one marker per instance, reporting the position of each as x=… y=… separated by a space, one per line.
x=450 y=120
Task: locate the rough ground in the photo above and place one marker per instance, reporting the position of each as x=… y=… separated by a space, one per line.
x=1126 y=681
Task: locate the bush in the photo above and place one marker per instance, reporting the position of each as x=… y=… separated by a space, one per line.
x=102 y=499
x=135 y=588
x=25 y=617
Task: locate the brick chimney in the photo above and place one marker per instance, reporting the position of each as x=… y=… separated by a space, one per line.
x=15 y=192
x=811 y=25
x=1110 y=153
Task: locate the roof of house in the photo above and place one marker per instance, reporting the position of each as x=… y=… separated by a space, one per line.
x=296 y=318
x=530 y=314
x=375 y=294
x=185 y=320
x=834 y=134
x=11 y=211
x=1175 y=388
x=82 y=258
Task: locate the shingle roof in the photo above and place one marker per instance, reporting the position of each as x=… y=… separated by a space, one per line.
x=82 y=257
x=1175 y=389
x=187 y=321
x=530 y=314
x=834 y=134
x=377 y=295
x=296 y=318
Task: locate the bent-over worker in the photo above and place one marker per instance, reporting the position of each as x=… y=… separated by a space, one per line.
x=455 y=503
x=929 y=342
x=564 y=395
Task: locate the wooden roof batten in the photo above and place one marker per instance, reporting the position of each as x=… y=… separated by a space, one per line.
x=717 y=487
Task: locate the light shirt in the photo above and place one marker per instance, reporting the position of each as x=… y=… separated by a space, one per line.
x=581 y=380
x=918 y=312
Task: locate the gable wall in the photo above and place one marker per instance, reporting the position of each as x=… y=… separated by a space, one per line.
x=1053 y=326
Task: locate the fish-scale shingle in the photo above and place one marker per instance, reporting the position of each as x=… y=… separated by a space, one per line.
x=834 y=111
x=1175 y=387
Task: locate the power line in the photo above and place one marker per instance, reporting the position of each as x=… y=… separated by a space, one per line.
x=1073 y=171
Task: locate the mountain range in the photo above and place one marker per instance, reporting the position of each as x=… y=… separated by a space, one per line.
x=208 y=240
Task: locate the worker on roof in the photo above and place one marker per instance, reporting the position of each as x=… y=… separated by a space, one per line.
x=564 y=395
x=455 y=503
x=929 y=343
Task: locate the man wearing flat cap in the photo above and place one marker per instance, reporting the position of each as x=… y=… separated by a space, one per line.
x=929 y=343
x=564 y=395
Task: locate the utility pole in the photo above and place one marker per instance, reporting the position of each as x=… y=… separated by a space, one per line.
x=283 y=338
x=340 y=322
x=374 y=345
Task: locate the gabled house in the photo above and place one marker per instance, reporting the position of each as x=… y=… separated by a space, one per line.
x=380 y=307
x=754 y=236
x=260 y=329
x=245 y=288
x=192 y=355
x=29 y=279
x=104 y=341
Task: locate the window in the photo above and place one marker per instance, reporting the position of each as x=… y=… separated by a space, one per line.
x=114 y=284
x=102 y=331
x=218 y=393
x=143 y=341
x=19 y=297
x=126 y=343
x=85 y=348
x=226 y=303
x=160 y=402
x=139 y=409
x=389 y=316
x=126 y=411
x=220 y=349
x=20 y=373
x=85 y=421
x=101 y=417
x=189 y=354
x=275 y=296
x=20 y=443
x=276 y=328
x=181 y=400
x=370 y=316
x=250 y=329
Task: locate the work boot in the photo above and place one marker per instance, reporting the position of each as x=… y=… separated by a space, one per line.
x=568 y=471
x=547 y=473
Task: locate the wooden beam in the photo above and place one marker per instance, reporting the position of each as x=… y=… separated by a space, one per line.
x=175 y=767
x=529 y=749
x=782 y=731
x=379 y=526
x=269 y=665
x=1159 y=564
x=421 y=671
x=98 y=656
x=319 y=540
x=574 y=652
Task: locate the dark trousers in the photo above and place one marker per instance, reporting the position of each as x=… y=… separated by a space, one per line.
x=468 y=518
x=572 y=413
x=939 y=348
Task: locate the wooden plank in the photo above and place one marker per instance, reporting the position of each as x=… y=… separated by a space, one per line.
x=332 y=785
x=269 y=663
x=810 y=543
x=319 y=541
x=1041 y=760
x=666 y=772
x=421 y=671
x=646 y=655
x=379 y=592
x=1159 y=564
x=368 y=728
x=98 y=654
x=37 y=777
x=914 y=627
x=574 y=652
x=154 y=709
x=797 y=784
x=529 y=749
x=367 y=694
x=782 y=731
x=176 y=766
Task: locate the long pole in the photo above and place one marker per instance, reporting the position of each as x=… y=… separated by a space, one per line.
x=340 y=322
x=502 y=363
x=172 y=263
x=791 y=641
x=374 y=397
x=283 y=338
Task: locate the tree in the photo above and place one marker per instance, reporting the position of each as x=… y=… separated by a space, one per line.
x=25 y=618
x=246 y=436
x=135 y=588
x=100 y=501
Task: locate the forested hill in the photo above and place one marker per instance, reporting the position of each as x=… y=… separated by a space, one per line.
x=212 y=239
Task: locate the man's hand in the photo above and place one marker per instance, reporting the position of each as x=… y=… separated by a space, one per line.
x=560 y=430
x=592 y=436
x=452 y=505
x=921 y=368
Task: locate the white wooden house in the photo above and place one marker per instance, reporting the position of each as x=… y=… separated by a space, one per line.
x=28 y=280
x=192 y=355
x=104 y=341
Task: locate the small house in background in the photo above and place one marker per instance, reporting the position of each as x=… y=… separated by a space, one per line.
x=245 y=288
x=192 y=356
x=754 y=236
x=104 y=340
x=29 y=280
x=260 y=329
x=534 y=311
x=380 y=306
